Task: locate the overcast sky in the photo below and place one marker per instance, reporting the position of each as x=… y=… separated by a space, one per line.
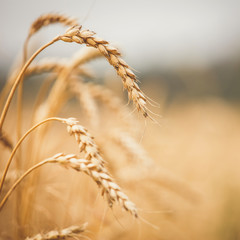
x=160 y=33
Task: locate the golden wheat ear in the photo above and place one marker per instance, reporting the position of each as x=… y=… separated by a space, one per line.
x=4 y=139
x=99 y=174
x=72 y=232
x=77 y=35
x=43 y=21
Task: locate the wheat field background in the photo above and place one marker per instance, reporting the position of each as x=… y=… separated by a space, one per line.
x=83 y=159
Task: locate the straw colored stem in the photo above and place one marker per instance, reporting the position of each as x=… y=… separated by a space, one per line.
x=21 y=178
x=19 y=117
x=10 y=96
x=18 y=144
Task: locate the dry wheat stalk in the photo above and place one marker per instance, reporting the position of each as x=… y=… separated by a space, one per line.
x=70 y=232
x=75 y=34
x=83 y=138
x=40 y=22
x=20 y=142
x=93 y=164
x=19 y=79
x=98 y=173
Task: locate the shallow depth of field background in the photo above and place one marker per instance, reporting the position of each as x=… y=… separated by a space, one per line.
x=187 y=57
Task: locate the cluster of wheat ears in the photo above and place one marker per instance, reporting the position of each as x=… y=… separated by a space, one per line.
x=68 y=81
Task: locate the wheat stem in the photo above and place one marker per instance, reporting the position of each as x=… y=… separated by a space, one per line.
x=18 y=144
x=10 y=96
x=21 y=178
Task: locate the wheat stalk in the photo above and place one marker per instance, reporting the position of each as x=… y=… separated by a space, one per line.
x=75 y=34
x=40 y=22
x=93 y=164
x=20 y=142
x=70 y=232
x=18 y=80
x=98 y=173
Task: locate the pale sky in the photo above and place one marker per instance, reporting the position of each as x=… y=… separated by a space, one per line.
x=160 y=33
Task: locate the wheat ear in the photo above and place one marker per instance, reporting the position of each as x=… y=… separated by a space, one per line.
x=43 y=21
x=75 y=34
x=88 y=103
x=85 y=142
x=70 y=232
x=40 y=22
x=99 y=174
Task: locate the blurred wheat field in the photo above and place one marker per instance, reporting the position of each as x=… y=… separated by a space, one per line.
x=182 y=174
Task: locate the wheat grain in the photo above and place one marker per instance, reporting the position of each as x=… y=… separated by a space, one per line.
x=85 y=141
x=75 y=34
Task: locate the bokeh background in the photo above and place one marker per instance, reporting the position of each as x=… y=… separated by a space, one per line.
x=187 y=56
